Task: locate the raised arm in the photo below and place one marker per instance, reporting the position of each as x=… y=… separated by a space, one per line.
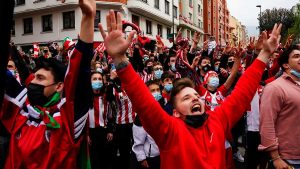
x=154 y=119
x=77 y=81
x=239 y=52
x=236 y=104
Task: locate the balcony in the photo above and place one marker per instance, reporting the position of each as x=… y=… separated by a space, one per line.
x=34 y=6
x=144 y=9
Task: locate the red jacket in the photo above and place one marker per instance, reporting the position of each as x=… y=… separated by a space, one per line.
x=180 y=145
x=32 y=143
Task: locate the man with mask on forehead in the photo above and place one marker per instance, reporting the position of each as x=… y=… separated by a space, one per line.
x=191 y=138
x=46 y=129
x=280 y=113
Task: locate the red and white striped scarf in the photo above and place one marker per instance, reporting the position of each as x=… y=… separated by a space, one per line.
x=99 y=113
x=36 y=50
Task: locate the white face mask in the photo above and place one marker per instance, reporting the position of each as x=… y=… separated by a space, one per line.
x=214 y=82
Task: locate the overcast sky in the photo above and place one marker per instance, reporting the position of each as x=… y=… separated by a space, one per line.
x=247 y=12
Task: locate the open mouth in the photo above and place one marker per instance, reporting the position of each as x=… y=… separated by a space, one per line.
x=196 y=108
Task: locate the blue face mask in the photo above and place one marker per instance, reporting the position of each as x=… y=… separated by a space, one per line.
x=173 y=68
x=295 y=73
x=214 y=82
x=158 y=73
x=12 y=72
x=157 y=96
x=145 y=58
x=216 y=68
x=96 y=85
x=168 y=87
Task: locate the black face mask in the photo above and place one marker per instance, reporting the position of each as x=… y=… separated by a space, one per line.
x=230 y=64
x=149 y=69
x=36 y=95
x=206 y=68
x=196 y=121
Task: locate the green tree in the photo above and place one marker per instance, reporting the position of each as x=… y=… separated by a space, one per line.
x=295 y=29
x=271 y=16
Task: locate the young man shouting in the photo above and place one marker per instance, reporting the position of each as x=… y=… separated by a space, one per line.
x=191 y=138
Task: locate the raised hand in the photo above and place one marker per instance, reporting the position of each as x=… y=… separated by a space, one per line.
x=271 y=44
x=205 y=45
x=179 y=35
x=251 y=45
x=227 y=49
x=116 y=45
x=88 y=7
x=259 y=43
x=196 y=37
x=289 y=41
x=240 y=51
x=195 y=62
x=159 y=42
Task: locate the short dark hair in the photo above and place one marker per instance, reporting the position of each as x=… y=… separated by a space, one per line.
x=57 y=68
x=178 y=85
x=147 y=61
x=151 y=82
x=96 y=72
x=167 y=74
x=284 y=58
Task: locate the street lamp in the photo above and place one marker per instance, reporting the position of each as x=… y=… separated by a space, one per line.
x=259 y=6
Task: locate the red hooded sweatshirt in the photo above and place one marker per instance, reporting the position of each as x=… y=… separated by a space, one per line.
x=180 y=145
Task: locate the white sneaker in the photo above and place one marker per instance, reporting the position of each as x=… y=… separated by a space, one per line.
x=238 y=156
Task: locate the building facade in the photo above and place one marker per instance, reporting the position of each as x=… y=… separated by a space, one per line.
x=238 y=31
x=47 y=20
x=216 y=20
x=191 y=18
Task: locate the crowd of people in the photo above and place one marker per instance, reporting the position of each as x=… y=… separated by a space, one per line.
x=135 y=103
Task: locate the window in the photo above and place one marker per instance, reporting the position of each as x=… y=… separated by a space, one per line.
x=167 y=7
x=13 y=31
x=190 y=16
x=47 y=23
x=97 y=19
x=20 y=2
x=148 y=27
x=27 y=25
x=135 y=19
x=144 y=1
x=159 y=30
x=69 y=20
x=175 y=11
x=199 y=23
x=168 y=31
x=199 y=9
x=191 y=3
x=156 y=4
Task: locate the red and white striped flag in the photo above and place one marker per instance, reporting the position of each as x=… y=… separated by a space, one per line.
x=36 y=50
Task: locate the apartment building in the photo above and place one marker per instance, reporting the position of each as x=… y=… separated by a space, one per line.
x=47 y=20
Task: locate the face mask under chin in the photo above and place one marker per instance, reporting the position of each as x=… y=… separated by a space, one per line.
x=196 y=121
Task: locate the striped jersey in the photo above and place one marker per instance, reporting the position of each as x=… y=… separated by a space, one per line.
x=99 y=113
x=124 y=114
